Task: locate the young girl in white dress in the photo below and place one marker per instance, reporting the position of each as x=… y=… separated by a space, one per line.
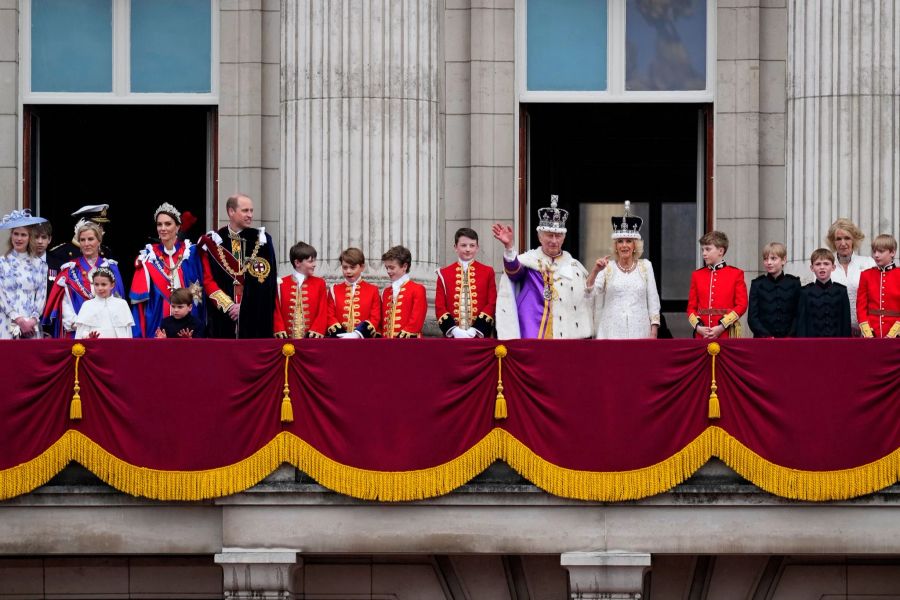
x=626 y=286
x=104 y=316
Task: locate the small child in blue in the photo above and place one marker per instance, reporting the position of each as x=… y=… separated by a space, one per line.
x=180 y=323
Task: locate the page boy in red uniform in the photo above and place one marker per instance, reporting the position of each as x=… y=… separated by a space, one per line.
x=354 y=306
x=404 y=300
x=466 y=292
x=301 y=307
x=878 y=296
x=718 y=295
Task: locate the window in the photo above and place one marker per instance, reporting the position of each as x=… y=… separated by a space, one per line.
x=615 y=50
x=120 y=51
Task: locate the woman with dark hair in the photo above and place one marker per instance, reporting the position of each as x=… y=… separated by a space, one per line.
x=23 y=290
x=74 y=285
x=844 y=238
x=161 y=269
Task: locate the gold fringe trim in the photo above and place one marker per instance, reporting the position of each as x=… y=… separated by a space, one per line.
x=814 y=486
x=608 y=486
x=398 y=486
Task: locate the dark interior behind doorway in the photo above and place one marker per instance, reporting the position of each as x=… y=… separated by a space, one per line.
x=609 y=153
x=133 y=158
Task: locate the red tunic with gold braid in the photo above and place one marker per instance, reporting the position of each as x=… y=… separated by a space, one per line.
x=467 y=298
x=404 y=315
x=301 y=311
x=354 y=308
x=718 y=296
x=878 y=302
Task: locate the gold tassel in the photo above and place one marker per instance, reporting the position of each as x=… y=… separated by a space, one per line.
x=78 y=351
x=500 y=411
x=287 y=411
x=714 y=413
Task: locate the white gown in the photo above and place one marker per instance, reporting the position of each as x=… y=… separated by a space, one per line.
x=111 y=317
x=629 y=302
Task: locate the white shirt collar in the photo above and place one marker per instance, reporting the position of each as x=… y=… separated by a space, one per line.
x=464 y=264
x=299 y=278
x=172 y=251
x=396 y=285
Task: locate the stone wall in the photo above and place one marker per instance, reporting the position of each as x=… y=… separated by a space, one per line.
x=9 y=106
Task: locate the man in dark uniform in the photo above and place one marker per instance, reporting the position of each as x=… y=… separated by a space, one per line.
x=69 y=251
x=239 y=275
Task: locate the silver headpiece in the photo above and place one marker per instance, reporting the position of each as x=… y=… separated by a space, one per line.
x=552 y=219
x=170 y=210
x=626 y=227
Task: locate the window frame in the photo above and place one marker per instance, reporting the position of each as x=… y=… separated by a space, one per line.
x=121 y=68
x=615 y=68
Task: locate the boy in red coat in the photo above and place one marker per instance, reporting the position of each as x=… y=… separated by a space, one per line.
x=718 y=295
x=354 y=306
x=301 y=306
x=466 y=292
x=878 y=296
x=404 y=300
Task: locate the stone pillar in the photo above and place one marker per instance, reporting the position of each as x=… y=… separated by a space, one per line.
x=360 y=131
x=612 y=575
x=843 y=132
x=261 y=574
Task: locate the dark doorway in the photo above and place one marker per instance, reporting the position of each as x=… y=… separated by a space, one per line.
x=596 y=156
x=133 y=158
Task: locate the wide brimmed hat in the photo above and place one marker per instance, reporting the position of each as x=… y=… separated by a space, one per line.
x=552 y=219
x=20 y=218
x=626 y=227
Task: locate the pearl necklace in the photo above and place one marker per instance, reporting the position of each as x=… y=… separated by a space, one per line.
x=629 y=269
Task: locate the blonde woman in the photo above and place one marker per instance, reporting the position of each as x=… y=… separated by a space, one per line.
x=23 y=288
x=844 y=238
x=626 y=285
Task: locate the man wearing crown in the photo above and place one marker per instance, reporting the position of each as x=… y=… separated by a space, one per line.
x=542 y=292
x=238 y=277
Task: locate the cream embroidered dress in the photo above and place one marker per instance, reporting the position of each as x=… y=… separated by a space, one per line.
x=630 y=302
x=23 y=291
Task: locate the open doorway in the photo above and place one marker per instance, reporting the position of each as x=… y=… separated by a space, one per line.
x=133 y=158
x=596 y=156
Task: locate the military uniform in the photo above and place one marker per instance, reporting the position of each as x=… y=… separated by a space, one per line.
x=404 y=312
x=354 y=307
x=878 y=302
x=301 y=308
x=718 y=296
x=773 y=306
x=466 y=297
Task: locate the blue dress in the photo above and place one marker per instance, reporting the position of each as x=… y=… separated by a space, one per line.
x=156 y=275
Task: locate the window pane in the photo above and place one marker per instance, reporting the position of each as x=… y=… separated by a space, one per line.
x=679 y=249
x=665 y=45
x=170 y=46
x=71 y=45
x=566 y=45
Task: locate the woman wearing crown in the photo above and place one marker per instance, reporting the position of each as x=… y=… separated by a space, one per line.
x=73 y=286
x=626 y=285
x=161 y=269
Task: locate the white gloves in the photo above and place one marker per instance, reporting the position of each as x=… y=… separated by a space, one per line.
x=353 y=335
x=463 y=334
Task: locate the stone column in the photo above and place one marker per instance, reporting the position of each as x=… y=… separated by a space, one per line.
x=259 y=574
x=360 y=133
x=610 y=575
x=843 y=129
